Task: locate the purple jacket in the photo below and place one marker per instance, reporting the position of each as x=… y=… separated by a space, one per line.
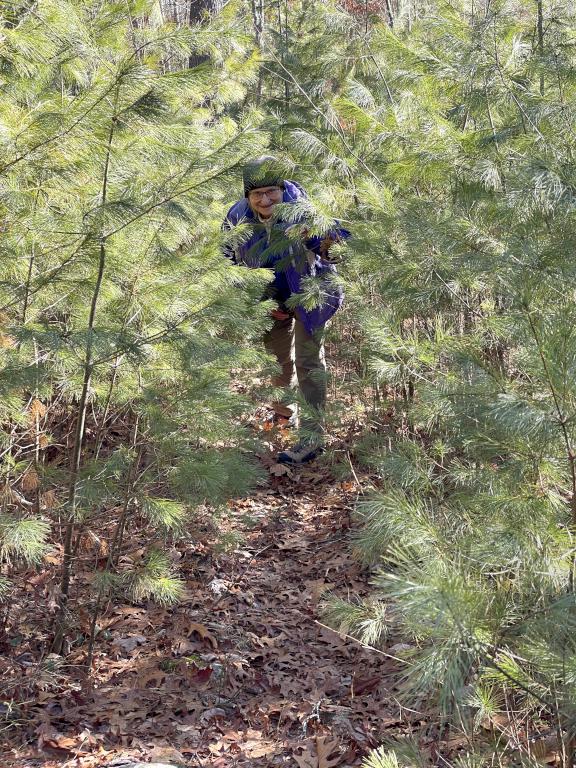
x=291 y=261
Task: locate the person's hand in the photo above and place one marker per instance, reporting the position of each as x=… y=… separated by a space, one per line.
x=326 y=244
x=279 y=314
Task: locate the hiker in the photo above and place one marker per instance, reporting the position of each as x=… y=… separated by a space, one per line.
x=296 y=337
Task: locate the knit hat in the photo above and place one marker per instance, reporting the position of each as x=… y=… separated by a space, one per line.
x=265 y=171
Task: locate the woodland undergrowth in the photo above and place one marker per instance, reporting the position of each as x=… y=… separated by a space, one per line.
x=442 y=136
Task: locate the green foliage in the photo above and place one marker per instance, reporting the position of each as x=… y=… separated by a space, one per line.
x=381 y=758
x=400 y=754
x=451 y=147
x=22 y=538
x=164 y=513
x=215 y=475
x=367 y=619
x=120 y=320
x=447 y=145
x=154 y=580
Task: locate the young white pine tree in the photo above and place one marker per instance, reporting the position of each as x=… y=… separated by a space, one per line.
x=117 y=307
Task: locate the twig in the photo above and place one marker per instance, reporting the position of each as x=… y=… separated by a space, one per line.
x=353 y=471
x=364 y=645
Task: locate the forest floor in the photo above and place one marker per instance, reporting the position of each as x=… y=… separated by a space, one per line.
x=242 y=672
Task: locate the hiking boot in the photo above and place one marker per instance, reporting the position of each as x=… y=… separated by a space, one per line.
x=302 y=452
x=286 y=415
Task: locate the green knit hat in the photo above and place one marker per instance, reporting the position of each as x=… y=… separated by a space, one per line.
x=265 y=171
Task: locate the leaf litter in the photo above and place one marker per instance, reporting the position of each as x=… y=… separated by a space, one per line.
x=238 y=674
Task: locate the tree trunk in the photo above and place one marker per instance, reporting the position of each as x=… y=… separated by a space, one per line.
x=540 y=26
x=190 y=12
x=197 y=9
x=258 y=21
x=88 y=367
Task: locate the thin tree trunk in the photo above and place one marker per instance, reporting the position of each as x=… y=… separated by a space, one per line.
x=283 y=36
x=286 y=42
x=117 y=539
x=88 y=366
x=541 y=41
x=27 y=286
x=197 y=11
x=389 y=14
x=99 y=438
x=258 y=22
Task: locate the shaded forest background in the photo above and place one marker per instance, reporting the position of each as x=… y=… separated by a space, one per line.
x=131 y=374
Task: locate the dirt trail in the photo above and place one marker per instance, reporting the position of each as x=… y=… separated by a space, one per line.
x=241 y=673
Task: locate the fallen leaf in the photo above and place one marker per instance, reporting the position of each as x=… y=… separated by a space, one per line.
x=306 y=760
x=320 y=753
x=48 y=736
x=153 y=677
x=162 y=754
x=260 y=749
x=203 y=675
x=128 y=644
x=204 y=633
x=212 y=714
x=280 y=469
x=362 y=685
x=52 y=559
x=325 y=747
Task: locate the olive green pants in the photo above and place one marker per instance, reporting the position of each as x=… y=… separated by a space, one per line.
x=301 y=358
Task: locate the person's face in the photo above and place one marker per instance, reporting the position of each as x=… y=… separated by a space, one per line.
x=263 y=199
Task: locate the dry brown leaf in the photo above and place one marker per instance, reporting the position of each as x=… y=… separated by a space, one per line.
x=499 y=720
x=152 y=677
x=260 y=749
x=50 y=737
x=52 y=558
x=204 y=633
x=306 y=760
x=361 y=685
x=292 y=542
x=212 y=714
x=320 y=753
x=326 y=746
x=129 y=644
x=62 y=742
x=280 y=469
x=166 y=754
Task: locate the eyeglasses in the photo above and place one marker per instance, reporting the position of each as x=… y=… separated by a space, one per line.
x=272 y=192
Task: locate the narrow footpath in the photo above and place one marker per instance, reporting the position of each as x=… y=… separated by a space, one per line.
x=242 y=672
